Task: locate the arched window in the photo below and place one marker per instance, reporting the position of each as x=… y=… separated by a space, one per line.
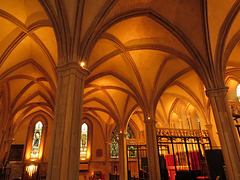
x=84 y=140
x=198 y=120
x=114 y=153
x=132 y=153
x=114 y=147
x=130 y=134
x=36 y=140
x=238 y=92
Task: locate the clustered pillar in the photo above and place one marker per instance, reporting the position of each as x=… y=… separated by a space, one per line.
x=107 y=154
x=122 y=156
x=152 y=148
x=226 y=130
x=65 y=153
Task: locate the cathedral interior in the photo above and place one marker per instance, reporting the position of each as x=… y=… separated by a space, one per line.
x=119 y=89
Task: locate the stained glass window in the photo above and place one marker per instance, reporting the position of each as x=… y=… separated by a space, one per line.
x=238 y=92
x=130 y=134
x=114 y=146
x=84 y=137
x=36 y=140
x=199 y=125
x=132 y=153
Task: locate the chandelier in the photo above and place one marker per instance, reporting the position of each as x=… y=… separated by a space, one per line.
x=31 y=169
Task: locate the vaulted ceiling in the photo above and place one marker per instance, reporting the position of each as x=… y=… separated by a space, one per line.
x=28 y=57
x=145 y=56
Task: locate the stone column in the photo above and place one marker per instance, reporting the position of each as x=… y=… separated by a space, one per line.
x=226 y=130
x=65 y=146
x=122 y=156
x=107 y=155
x=152 y=148
x=7 y=139
x=2 y=146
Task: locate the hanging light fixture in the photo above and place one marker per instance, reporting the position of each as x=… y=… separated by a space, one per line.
x=31 y=169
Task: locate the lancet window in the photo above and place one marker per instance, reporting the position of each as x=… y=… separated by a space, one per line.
x=84 y=139
x=36 y=140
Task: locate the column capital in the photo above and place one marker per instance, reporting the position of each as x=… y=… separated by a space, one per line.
x=72 y=68
x=122 y=133
x=208 y=125
x=216 y=91
x=150 y=121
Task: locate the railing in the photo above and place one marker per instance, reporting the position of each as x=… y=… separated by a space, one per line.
x=113 y=177
x=235 y=108
x=181 y=133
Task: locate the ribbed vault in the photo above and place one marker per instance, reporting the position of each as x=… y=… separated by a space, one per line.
x=159 y=55
x=131 y=65
x=28 y=57
x=145 y=56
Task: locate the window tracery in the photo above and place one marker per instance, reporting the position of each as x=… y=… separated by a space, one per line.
x=114 y=146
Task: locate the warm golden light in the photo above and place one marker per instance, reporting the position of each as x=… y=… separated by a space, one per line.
x=40 y=153
x=88 y=153
x=149 y=118
x=31 y=169
x=82 y=64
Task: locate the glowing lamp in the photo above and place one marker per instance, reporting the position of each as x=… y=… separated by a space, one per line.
x=31 y=169
x=82 y=64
